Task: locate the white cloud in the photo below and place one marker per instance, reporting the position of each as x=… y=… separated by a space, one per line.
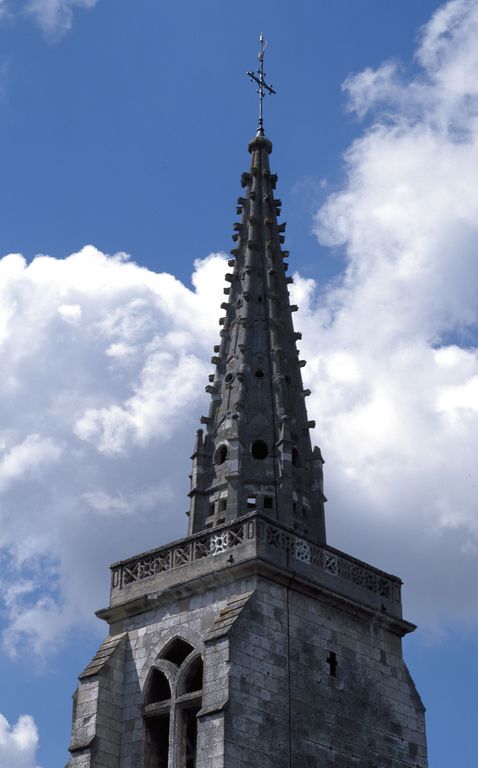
x=55 y=17
x=394 y=343
x=104 y=367
x=18 y=743
x=26 y=458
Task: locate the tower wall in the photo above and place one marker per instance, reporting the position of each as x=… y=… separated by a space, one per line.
x=287 y=709
x=269 y=697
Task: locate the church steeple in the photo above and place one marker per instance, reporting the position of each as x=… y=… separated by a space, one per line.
x=251 y=641
x=256 y=452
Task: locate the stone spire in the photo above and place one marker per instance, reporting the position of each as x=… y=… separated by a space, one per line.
x=255 y=452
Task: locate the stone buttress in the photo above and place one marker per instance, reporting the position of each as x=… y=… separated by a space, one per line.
x=252 y=642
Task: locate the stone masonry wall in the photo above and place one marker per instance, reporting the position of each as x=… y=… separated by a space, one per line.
x=356 y=709
x=191 y=618
x=369 y=715
x=290 y=681
x=257 y=720
x=97 y=710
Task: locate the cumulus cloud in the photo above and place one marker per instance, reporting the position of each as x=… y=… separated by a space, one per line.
x=397 y=362
x=26 y=458
x=18 y=743
x=104 y=363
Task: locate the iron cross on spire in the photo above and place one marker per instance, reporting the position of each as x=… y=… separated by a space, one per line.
x=259 y=78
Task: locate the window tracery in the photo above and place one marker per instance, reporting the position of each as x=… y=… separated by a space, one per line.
x=172 y=700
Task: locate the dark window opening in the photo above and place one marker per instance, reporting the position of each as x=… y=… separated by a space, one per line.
x=268 y=502
x=177 y=651
x=259 y=299
x=190 y=736
x=158 y=689
x=259 y=373
x=295 y=457
x=157 y=742
x=259 y=449
x=193 y=681
x=221 y=454
x=222 y=505
x=332 y=662
x=211 y=509
x=294 y=508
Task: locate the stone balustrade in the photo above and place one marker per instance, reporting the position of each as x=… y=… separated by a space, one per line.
x=255 y=535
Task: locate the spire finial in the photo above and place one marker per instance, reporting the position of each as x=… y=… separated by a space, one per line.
x=259 y=78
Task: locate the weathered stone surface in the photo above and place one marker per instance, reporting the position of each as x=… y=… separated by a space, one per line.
x=268 y=689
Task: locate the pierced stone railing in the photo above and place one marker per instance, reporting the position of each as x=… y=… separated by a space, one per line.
x=183 y=552
x=266 y=536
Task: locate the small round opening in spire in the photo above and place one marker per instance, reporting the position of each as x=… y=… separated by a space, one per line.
x=229 y=377
x=259 y=374
x=220 y=455
x=259 y=450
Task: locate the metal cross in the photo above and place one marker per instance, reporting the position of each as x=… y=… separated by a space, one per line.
x=259 y=78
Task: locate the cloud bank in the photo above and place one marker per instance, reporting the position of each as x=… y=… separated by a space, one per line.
x=18 y=743
x=104 y=367
x=398 y=334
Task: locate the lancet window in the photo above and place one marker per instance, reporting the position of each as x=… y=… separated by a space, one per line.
x=173 y=696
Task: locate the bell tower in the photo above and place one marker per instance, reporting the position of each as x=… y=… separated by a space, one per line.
x=251 y=642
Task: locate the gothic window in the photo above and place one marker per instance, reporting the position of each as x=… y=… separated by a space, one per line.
x=177 y=651
x=172 y=700
x=157 y=720
x=159 y=689
x=220 y=455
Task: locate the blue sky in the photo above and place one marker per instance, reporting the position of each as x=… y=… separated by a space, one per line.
x=124 y=127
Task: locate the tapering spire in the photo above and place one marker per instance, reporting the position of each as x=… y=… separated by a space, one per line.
x=256 y=452
x=259 y=78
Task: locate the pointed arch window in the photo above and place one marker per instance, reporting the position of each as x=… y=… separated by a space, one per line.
x=172 y=700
